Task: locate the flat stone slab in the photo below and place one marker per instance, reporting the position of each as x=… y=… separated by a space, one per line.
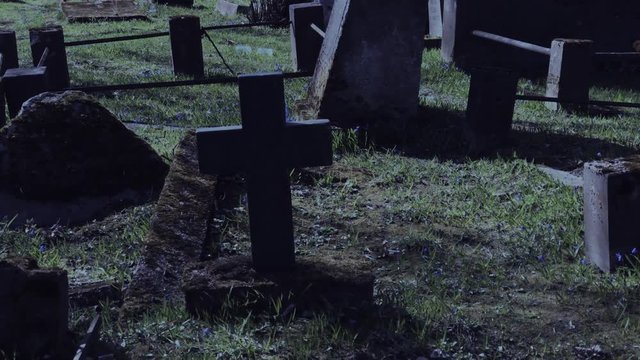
x=101 y=10
x=177 y=234
x=319 y=281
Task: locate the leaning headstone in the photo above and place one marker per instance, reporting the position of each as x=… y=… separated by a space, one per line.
x=177 y=232
x=266 y=147
x=33 y=311
x=611 y=208
x=368 y=72
x=65 y=158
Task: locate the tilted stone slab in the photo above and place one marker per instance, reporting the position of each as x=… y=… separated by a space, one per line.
x=177 y=234
x=368 y=72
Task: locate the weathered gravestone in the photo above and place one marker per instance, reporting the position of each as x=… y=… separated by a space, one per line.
x=65 y=158
x=34 y=314
x=368 y=72
x=177 y=232
x=306 y=42
x=611 y=210
x=265 y=147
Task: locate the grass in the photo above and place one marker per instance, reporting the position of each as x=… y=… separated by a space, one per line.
x=474 y=257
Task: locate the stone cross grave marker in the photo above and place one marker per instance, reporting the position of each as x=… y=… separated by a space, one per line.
x=265 y=147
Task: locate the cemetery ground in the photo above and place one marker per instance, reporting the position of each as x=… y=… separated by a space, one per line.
x=474 y=256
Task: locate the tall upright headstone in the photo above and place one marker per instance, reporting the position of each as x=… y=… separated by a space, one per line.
x=368 y=72
x=435 y=18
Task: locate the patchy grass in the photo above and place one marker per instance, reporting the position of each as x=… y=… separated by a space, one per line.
x=475 y=257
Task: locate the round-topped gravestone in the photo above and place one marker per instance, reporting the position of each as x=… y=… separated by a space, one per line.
x=65 y=158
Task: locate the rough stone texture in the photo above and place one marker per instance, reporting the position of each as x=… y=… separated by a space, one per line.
x=178 y=232
x=368 y=72
x=319 y=281
x=611 y=24
x=611 y=208
x=570 y=68
x=66 y=158
x=33 y=310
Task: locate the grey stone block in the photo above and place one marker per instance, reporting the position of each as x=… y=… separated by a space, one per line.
x=611 y=211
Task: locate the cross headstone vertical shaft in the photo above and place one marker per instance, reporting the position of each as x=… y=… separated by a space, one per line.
x=265 y=147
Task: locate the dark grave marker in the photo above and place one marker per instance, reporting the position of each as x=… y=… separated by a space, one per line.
x=9 y=50
x=570 y=68
x=368 y=71
x=51 y=38
x=265 y=147
x=492 y=97
x=305 y=41
x=101 y=10
x=33 y=310
x=611 y=208
x=186 y=46
x=22 y=84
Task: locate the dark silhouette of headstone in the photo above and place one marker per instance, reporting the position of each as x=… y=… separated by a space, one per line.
x=51 y=38
x=611 y=208
x=265 y=147
x=186 y=46
x=9 y=50
x=33 y=310
x=570 y=72
x=22 y=84
x=492 y=97
x=368 y=71
x=305 y=41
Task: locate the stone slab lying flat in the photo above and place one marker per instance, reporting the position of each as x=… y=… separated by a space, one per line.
x=177 y=234
x=611 y=208
x=105 y=10
x=319 y=281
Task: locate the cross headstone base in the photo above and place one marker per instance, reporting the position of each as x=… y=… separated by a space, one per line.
x=318 y=282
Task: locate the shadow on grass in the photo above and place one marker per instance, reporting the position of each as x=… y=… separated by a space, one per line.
x=440 y=133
